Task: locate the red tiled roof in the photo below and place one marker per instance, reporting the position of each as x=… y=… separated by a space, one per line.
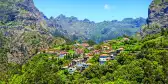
x=79 y=51
x=121 y=48
x=63 y=52
x=96 y=50
x=85 y=44
x=104 y=55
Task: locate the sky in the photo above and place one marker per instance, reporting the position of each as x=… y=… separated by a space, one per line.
x=95 y=10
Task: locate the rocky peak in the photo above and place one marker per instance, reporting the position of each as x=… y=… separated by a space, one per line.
x=28 y=5
x=158 y=13
x=25 y=27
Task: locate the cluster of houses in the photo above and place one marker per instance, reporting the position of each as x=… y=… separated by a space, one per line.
x=78 y=64
x=110 y=55
x=56 y=52
x=105 y=53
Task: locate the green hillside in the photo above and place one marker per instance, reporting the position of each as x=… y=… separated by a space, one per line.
x=142 y=61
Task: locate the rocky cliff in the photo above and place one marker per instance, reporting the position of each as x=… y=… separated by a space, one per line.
x=25 y=28
x=158 y=13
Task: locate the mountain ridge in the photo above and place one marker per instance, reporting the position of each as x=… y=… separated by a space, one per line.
x=84 y=29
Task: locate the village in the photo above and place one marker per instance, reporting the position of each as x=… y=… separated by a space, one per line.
x=80 y=53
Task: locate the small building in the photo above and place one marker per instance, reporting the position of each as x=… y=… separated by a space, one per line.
x=75 y=61
x=85 y=45
x=65 y=68
x=126 y=39
x=79 y=51
x=106 y=47
x=85 y=59
x=96 y=52
x=62 y=54
x=71 y=70
x=77 y=44
x=90 y=48
x=108 y=51
x=85 y=65
x=119 y=50
x=82 y=66
x=112 y=56
x=103 y=58
x=89 y=55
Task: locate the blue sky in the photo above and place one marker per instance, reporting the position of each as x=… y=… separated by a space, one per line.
x=95 y=10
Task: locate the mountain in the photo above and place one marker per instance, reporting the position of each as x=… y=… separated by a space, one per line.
x=157 y=17
x=158 y=13
x=28 y=30
x=25 y=28
x=86 y=29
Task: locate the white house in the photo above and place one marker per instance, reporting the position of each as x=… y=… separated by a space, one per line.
x=103 y=58
x=71 y=70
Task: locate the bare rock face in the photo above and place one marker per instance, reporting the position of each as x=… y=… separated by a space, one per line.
x=158 y=13
x=25 y=28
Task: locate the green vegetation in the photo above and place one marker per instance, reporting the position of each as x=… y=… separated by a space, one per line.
x=3 y=58
x=90 y=42
x=157 y=2
x=142 y=61
x=98 y=32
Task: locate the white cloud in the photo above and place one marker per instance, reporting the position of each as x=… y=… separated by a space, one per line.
x=107 y=7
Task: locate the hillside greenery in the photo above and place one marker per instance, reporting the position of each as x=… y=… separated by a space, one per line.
x=142 y=61
x=3 y=58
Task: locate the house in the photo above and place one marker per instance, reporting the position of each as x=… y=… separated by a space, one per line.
x=85 y=45
x=96 y=52
x=90 y=48
x=71 y=70
x=119 y=50
x=77 y=44
x=65 y=68
x=108 y=51
x=106 y=47
x=103 y=58
x=89 y=55
x=62 y=54
x=113 y=55
x=126 y=39
x=82 y=66
x=79 y=66
x=75 y=61
x=85 y=59
x=85 y=65
x=79 y=51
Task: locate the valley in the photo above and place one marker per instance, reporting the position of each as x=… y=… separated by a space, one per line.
x=35 y=49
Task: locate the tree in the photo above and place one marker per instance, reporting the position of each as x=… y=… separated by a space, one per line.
x=91 y=42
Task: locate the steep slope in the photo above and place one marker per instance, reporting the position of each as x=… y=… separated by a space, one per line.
x=85 y=29
x=157 y=17
x=158 y=13
x=25 y=28
x=3 y=57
